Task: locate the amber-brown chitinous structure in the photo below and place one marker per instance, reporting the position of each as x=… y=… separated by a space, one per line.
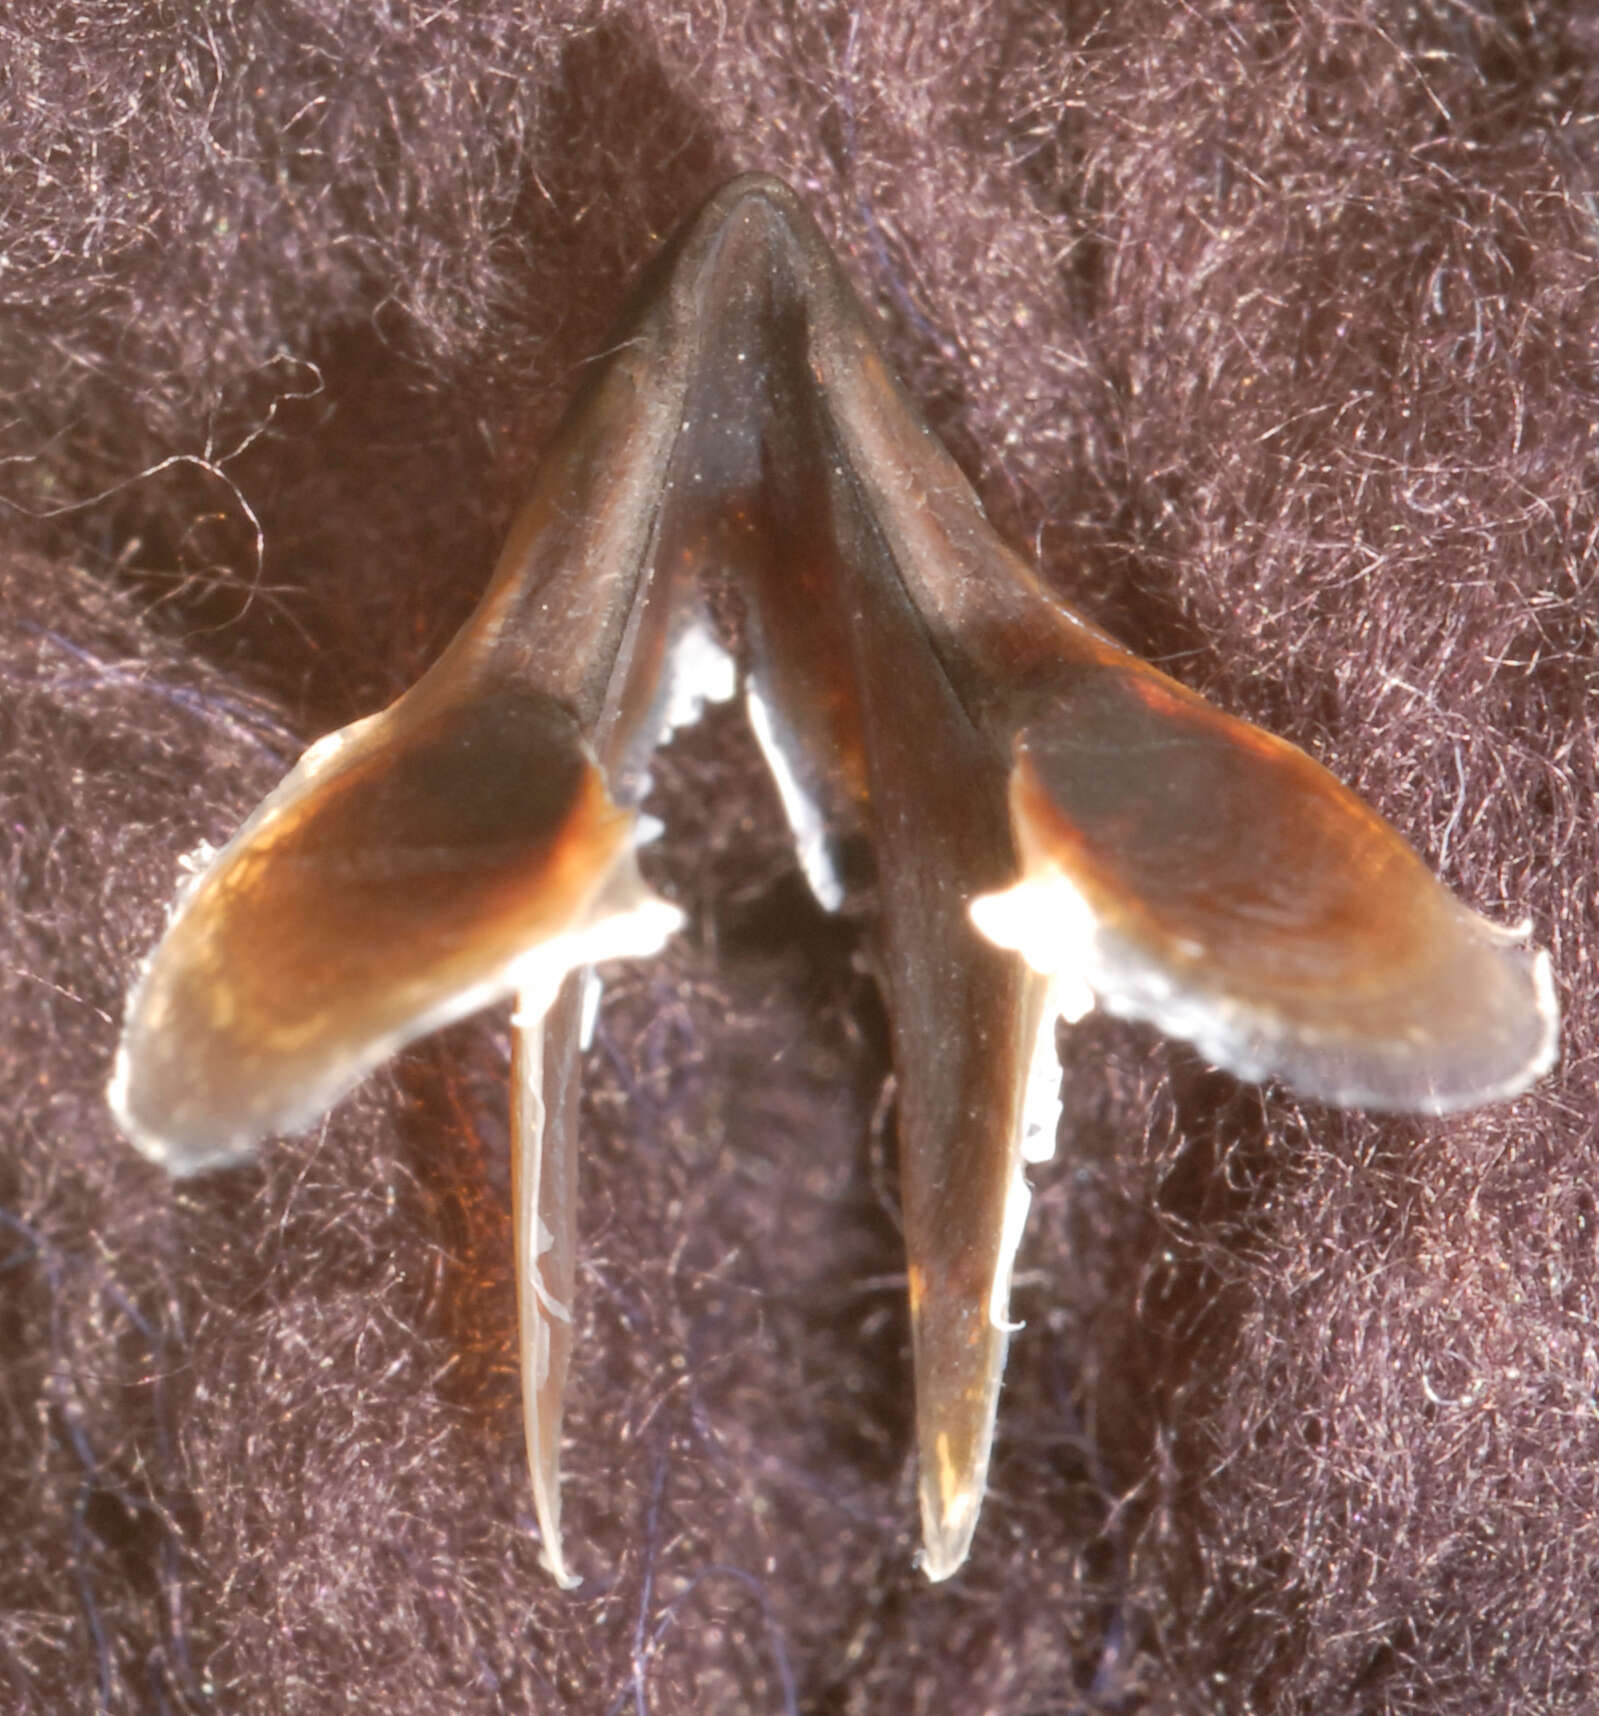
x=1052 y=823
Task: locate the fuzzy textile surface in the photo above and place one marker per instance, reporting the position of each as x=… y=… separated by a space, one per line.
x=1272 y=329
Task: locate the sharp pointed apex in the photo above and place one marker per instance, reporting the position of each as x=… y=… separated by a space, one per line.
x=949 y=1519
x=553 y=1561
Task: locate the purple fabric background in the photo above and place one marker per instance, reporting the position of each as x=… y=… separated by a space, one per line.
x=1271 y=328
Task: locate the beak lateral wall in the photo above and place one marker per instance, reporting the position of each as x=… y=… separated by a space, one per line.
x=1050 y=822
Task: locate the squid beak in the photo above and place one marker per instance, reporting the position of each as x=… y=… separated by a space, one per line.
x=1051 y=823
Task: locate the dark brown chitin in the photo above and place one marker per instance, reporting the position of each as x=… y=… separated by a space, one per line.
x=1050 y=824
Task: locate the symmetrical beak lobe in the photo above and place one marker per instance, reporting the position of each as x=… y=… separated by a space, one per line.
x=1051 y=823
